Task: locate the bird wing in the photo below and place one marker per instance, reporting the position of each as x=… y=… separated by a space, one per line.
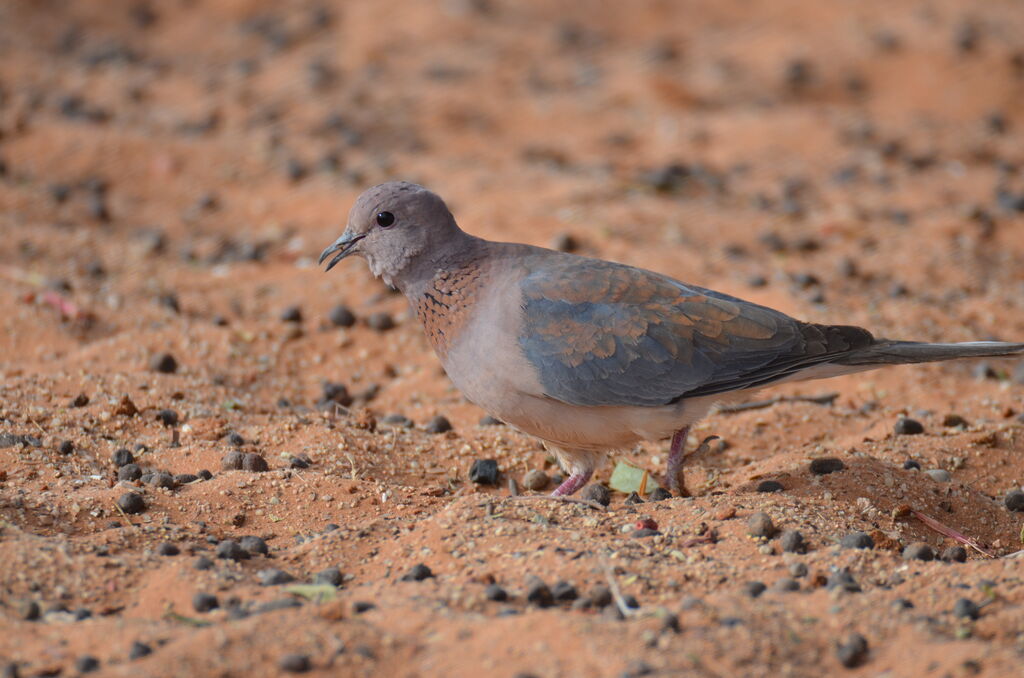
x=600 y=333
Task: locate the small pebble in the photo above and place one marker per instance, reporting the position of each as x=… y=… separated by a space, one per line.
x=563 y=592
x=203 y=563
x=902 y=604
x=1014 y=500
x=361 y=606
x=232 y=461
x=658 y=494
x=825 y=465
x=565 y=242
x=911 y=465
x=954 y=554
x=857 y=540
x=918 y=551
x=769 y=486
x=81 y=400
x=291 y=314
x=398 y=420
x=122 y=457
x=600 y=596
x=164 y=363
x=139 y=650
x=786 y=584
x=235 y=439
x=842 y=580
x=419 y=572
x=162 y=479
x=792 y=541
x=484 y=472
x=66 y=447
x=295 y=663
x=633 y=499
x=167 y=549
x=798 y=569
x=597 y=492
x=204 y=602
x=380 y=321
x=168 y=418
x=760 y=526
x=204 y=474
x=184 y=478
x=330 y=576
x=966 y=609
x=230 y=550
x=438 y=424
x=536 y=480
x=254 y=545
x=954 y=420
x=538 y=593
x=905 y=426
x=939 y=475
x=87 y=664
x=341 y=316
x=131 y=503
x=274 y=577
x=853 y=652
x=754 y=588
x=255 y=463
x=495 y=593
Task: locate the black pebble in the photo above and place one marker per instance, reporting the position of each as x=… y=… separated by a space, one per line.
x=918 y=551
x=1014 y=500
x=131 y=503
x=87 y=664
x=81 y=400
x=299 y=461
x=633 y=499
x=381 y=321
x=292 y=314
x=255 y=463
x=235 y=439
x=496 y=593
x=599 y=493
x=66 y=447
x=966 y=609
x=792 y=541
x=129 y=472
x=330 y=576
x=910 y=464
x=231 y=550
x=204 y=474
x=341 y=316
x=564 y=592
x=254 y=545
x=419 y=572
x=902 y=604
x=139 y=650
x=825 y=465
x=769 y=486
x=185 y=478
x=484 y=472
x=232 y=461
x=857 y=540
x=954 y=554
x=952 y=420
x=167 y=549
x=438 y=424
x=906 y=426
x=203 y=563
x=658 y=494
x=538 y=593
x=295 y=663
x=853 y=652
x=204 y=602
x=361 y=606
x=122 y=457
x=754 y=588
x=167 y=417
x=164 y=363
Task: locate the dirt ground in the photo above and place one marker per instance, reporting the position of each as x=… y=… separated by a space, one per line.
x=169 y=172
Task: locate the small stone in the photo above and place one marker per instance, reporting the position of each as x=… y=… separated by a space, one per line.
x=167 y=549
x=798 y=569
x=565 y=242
x=536 y=480
x=231 y=550
x=853 y=652
x=184 y=478
x=295 y=663
x=204 y=602
x=419 y=572
x=954 y=420
x=29 y=610
x=911 y=465
x=138 y=650
x=235 y=439
x=255 y=463
x=81 y=400
x=843 y=581
x=792 y=541
x=66 y=447
x=658 y=494
x=600 y=596
x=291 y=314
x=939 y=475
x=361 y=606
x=299 y=461
x=538 y=593
x=754 y=588
x=164 y=363
x=564 y=592
x=902 y=604
x=597 y=492
x=341 y=316
x=769 y=486
x=330 y=576
x=274 y=577
x=438 y=424
x=131 y=503
x=495 y=593
x=204 y=474
x=966 y=609
x=122 y=457
x=87 y=664
x=254 y=545
x=202 y=563
x=905 y=426
x=633 y=499
x=380 y=321
x=162 y=479
x=484 y=472
x=168 y=418
x=760 y=526
x=786 y=584
x=1014 y=500
x=857 y=540
x=918 y=551
x=826 y=465
x=954 y=554
x=232 y=461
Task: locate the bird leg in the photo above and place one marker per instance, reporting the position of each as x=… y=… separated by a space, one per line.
x=570 y=485
x=676 y=454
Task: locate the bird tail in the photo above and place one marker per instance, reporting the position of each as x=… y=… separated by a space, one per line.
x=886 y=352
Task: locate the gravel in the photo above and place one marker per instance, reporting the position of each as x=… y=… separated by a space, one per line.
x=167 y=549
x=381 y=321
x=939 y=475
x=232 y=461
x=255 y=463
x=129 y=472
x=538 y=593
x=274 y=577
x=231 y=550
x=754 y=588
x=954 y=554
x=484 y=472
x=164 y=363
x=496 y=593
x=254 y=545
x=138 y=650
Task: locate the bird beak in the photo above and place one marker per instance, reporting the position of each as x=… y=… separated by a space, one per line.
x=346 y=244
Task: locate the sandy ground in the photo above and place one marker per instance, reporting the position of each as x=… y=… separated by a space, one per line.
x=170 y=170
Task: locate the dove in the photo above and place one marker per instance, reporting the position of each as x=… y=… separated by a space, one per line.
x=592 y=356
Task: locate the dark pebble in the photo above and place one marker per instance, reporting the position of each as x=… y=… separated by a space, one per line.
x=167 y=417
x=918 y=551
x=769 y=486
x=966 y=609
x=82 y=614
x=87 y=664
x=954 y=554
x=798 y=569
x=292 y=314
x=910 y=464
x=255 y=463
x=633 y=499
x=600 y=596
x=825 y=465
x=164 y=363
x=330 y=576
x=185 y=478
x=670 y=623
x=29 y=610
x=786 y=584
x=167 y=549
x=254 y=545
x=496 y=593
x=658 y=494
x=792 y=541
x=204 y=474
x=361 y=606
x=597 y=492
x=438 y=424
x=204 y=602
x=760 y=525
x=299 y=461
x=953 y=420
x=129 y=472
x=203 y=563
x=905 y=426
x=857 y=540
x=274 y=577
x=381 y=321
x=754 y=588
x=853 y=652
x=235 y=439
x=139 y=650
x=842 y=580
x=538 y=593
x=231 y=550
x=66 y=447
x=419 y=572
x=902 y=604
x=131 y=503
x=295 y=663
x=81 y=400
x=162 y=479
x=484 y=472
x=122 y=457
x=341 y=316
x=1014 y=500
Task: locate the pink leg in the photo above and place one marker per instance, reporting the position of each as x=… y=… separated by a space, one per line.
x=573 y=483
x=674 y=474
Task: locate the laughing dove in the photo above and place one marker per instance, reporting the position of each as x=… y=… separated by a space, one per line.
x=589 y=355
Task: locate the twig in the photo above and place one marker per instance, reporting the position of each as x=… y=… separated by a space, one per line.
x=613 y=586
x=568 y=500
x=951 y=533
x=824 y=399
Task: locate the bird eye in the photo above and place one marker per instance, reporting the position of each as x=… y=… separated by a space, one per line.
x=385 y=219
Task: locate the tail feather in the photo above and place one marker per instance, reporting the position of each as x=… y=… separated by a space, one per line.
x=885 y=352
